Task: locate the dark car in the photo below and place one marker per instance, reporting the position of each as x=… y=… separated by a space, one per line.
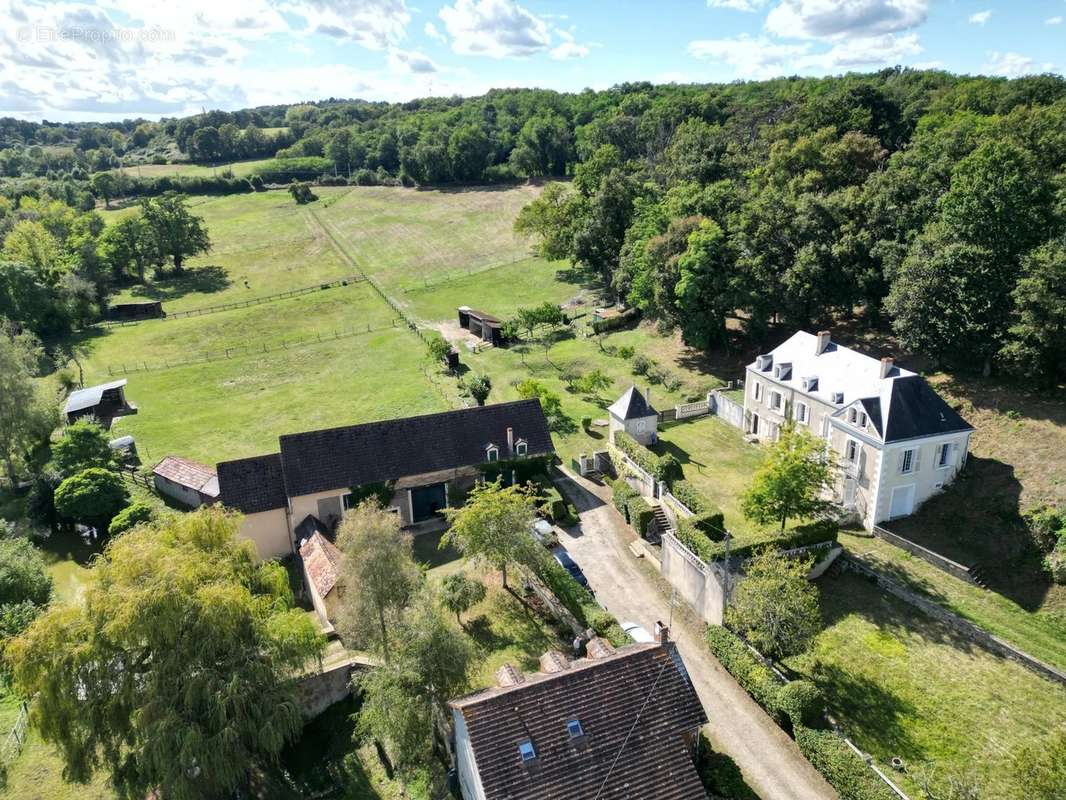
x=563 y=559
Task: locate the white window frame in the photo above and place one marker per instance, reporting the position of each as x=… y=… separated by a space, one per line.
x=852 y=448
x=804 y=417
x=906 y=466
x=345 y=503
x=944 y=456
x=521 y=448
x=780 y=401
x=852 y=415
x=756 y=390
x=492 y=453
x=862 y=419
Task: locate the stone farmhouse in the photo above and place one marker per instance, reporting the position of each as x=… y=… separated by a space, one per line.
x=424 y=461
x=619 y=723
x=895 y=439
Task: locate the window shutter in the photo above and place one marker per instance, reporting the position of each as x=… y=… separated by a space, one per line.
x=900 y=461
x=917 y=459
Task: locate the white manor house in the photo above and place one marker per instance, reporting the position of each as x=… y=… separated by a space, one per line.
x=896 y=440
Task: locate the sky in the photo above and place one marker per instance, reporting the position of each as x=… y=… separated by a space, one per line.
x=115 y=59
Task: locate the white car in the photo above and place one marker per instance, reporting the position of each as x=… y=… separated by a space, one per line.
x=638 y=633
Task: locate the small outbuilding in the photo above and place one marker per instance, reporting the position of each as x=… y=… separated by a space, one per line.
x=633 y=414
x=485 y=326
x=104 y=402
x=188 y=482
x=150 y=309
x=320 y=559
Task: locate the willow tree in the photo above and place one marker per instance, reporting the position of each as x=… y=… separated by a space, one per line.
x=176 y=673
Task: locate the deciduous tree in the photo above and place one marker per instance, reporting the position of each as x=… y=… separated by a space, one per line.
x=459 y=594
x=28 y=413
x=177 y=673
x=494 y=526
x=93 y=496
x=84 y=444
x=176 y=232
x=790 y=482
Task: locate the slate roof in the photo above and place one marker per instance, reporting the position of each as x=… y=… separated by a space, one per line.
x=252 y=485
x=634 y=707
x=191 y=474
x=374 y=452
x=632 y=405
x=321 y=563
x=915 y=410
x=90 y=396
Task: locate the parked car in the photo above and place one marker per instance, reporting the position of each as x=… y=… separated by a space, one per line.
x=638 y=633
x=563 y=559
x=544 y=532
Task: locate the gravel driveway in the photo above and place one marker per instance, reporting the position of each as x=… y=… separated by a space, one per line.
x=772 y=764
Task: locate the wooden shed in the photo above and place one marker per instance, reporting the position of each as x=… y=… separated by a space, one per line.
x=151 y=309
x=188 y=482
x=485 y=326
x=104 y=402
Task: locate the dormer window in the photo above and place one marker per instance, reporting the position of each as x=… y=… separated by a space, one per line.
x=838 y=398
x=492 y=453
x=783 y=371
x=852 y=415
x=521 y=448
x=574 y=728
x=862 y=419
x=526 y=751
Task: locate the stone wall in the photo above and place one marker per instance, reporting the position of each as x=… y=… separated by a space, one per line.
x=320 y=690
x=963 y=627
x=701 y=585
x=960 y=571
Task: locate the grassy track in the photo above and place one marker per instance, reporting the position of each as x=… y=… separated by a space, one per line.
x=905 y=685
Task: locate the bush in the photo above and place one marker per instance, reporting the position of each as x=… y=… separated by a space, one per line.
x=642 y=365
x=1055 y=563
x=131 y=516
x=625 y=352
x=845 y=771
x=668 y=469
x=1046 y=526
x=711 y=524
x=662 y=468
x=640 y=514
x=575 y=598
x=621 y=494
x=720 y=775
x=802 y=702
x=753 y=676
x=284 y=170
x=696 y=540
x=586 y=423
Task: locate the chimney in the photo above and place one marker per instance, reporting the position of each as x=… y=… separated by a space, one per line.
x=509 y=675
x=553 y=661
x=598 y=647
x=886 y=366
x=823 y=342
x=662 y=632
x=510 y=441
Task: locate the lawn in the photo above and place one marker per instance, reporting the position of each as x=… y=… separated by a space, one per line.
x=1040 y=633
x=717 y=461
x=237 y=169
x=408 y=237
x=262 y=243
x=905 y=685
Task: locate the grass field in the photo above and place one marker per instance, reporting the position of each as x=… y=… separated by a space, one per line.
x=905 y=685
x=238 y=169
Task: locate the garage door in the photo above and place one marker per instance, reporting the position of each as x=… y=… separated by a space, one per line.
x=902 y=501
x=428 y=501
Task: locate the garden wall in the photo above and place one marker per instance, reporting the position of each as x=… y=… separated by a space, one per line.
x=963 y=573
x=320 y=690
x=961 y=626
x=701 y=585
x=726 y=409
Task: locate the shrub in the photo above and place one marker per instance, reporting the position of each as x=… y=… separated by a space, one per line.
x=845 y=771
x=575 y=598
x=642 y=364
x=621 y=494
x=586 y=423
x=695 y=540
x=720 y=775
x=1046 y=525
x=640 y=514
x=668 y=469
x=753 y=676
x=131 y=516
x=1055 y=563
x=711 y=524
x=625 y=352
x=802 y=702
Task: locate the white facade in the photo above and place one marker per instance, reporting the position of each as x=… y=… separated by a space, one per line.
x=896 y=443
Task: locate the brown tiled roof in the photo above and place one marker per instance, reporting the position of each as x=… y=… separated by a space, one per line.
x=192 y=474
x=251 y=485
x=634 y=707
x=321 y=563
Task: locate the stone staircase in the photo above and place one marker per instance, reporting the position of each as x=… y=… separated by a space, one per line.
x=661 y=521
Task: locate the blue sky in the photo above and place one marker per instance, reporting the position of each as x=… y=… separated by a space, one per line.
x=123 y=58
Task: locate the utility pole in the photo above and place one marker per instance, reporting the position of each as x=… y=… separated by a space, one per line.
x=725 y=598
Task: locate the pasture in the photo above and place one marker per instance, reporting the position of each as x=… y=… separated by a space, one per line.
x=185 y=169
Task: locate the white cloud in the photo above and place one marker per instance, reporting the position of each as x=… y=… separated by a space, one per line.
x=375 y=24
x=433 y=32
x=568 y=50
x=495 y=28
x=981 y=17
x=1011 y=65
x=749 y=57
x=829 y=19
x=411 y=61
x=737 y=5
x=863 y=52
x=1053 y=21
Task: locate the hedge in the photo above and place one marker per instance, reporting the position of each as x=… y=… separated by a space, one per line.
x=574 y=597
x=720 y=775
x=663 y=468
x=623 y=320
x=845 y=771
x=695 y=540
x=802 y=702
x=640 y=514
x=755 y=678
x=606 y=625
x=800 y=536
x=621 y=494
x=283 y=170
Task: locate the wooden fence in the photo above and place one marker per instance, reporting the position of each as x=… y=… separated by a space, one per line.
x=246 y=350
x=16 y=738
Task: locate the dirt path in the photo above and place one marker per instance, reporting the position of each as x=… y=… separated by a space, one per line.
x=772 y=764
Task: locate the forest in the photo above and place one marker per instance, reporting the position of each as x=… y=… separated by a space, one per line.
x=931 y=202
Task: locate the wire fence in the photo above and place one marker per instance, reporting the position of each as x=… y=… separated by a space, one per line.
x=248 y=350
x=454 y=275
x=16 y=738
x=253 y=301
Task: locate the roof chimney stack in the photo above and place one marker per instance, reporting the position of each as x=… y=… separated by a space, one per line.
x=662 y=632
x=598 y=647
x=886 y=366
x=509 y=675
x=510 y=441
x=823 y=342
